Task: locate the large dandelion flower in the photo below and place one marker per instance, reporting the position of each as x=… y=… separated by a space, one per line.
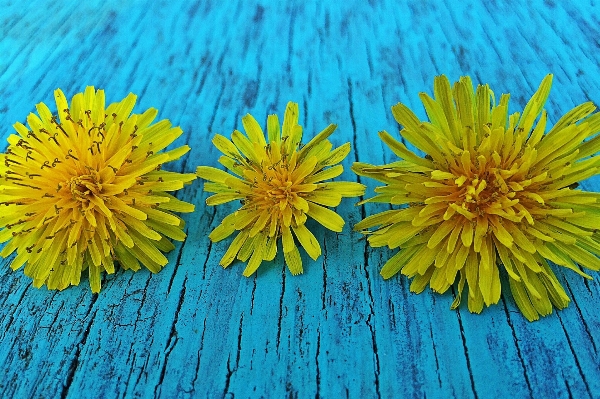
x=280 y=183
x=84 y=189
x=493 y=192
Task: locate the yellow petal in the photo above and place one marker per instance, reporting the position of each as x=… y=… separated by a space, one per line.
x=234 y=248
x=257 y=256
x=212 y=174
x=293 y=261
x=308 y=241
x=326 y=217
x=253 y=130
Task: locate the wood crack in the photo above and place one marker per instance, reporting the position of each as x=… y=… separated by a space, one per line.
x=280 y=318
x=173 y=337
x=466 y=352
x=575 y=358
x=371 y=300
x=231 y=370
x=75 y=362
x=585 y=325
x=177 y=263
x=517 y=347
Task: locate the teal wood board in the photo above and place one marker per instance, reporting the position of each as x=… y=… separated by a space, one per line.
x=196 y=330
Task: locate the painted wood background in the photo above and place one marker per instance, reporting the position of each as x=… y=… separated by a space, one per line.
x=339 y=330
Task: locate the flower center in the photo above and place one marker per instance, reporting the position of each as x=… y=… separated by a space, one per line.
x=276 y=188
x=478 y=192
x=83 y=186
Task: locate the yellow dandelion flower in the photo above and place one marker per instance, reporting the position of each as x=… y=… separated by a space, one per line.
x=279 y=183
x=85 y=188
x=493 y=192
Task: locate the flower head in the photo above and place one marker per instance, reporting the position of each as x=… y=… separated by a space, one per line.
x=494 y=192
x=280 y=183
x=85 y=188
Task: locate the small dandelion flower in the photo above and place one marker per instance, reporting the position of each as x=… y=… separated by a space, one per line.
x=280 y=183
x=84 y=189
x=494 y=192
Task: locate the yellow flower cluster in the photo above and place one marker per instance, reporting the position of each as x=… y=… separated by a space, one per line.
x=85 y=188
x=495 y=193
x=280 y=186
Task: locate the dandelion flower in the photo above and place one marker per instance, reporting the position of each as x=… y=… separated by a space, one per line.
x=84 y=189
x=280 y=183
x=493 y=192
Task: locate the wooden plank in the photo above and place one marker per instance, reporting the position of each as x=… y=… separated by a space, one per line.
x=339 y=330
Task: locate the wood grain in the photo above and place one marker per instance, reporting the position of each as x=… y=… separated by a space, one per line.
x=339 y=330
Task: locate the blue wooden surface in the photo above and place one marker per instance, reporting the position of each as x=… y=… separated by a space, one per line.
x=339 y=330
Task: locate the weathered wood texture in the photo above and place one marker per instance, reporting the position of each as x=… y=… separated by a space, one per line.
x=339 y=330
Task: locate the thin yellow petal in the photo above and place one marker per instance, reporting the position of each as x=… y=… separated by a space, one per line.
x=308 y=241
x=326 y=217
x=293 y=261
